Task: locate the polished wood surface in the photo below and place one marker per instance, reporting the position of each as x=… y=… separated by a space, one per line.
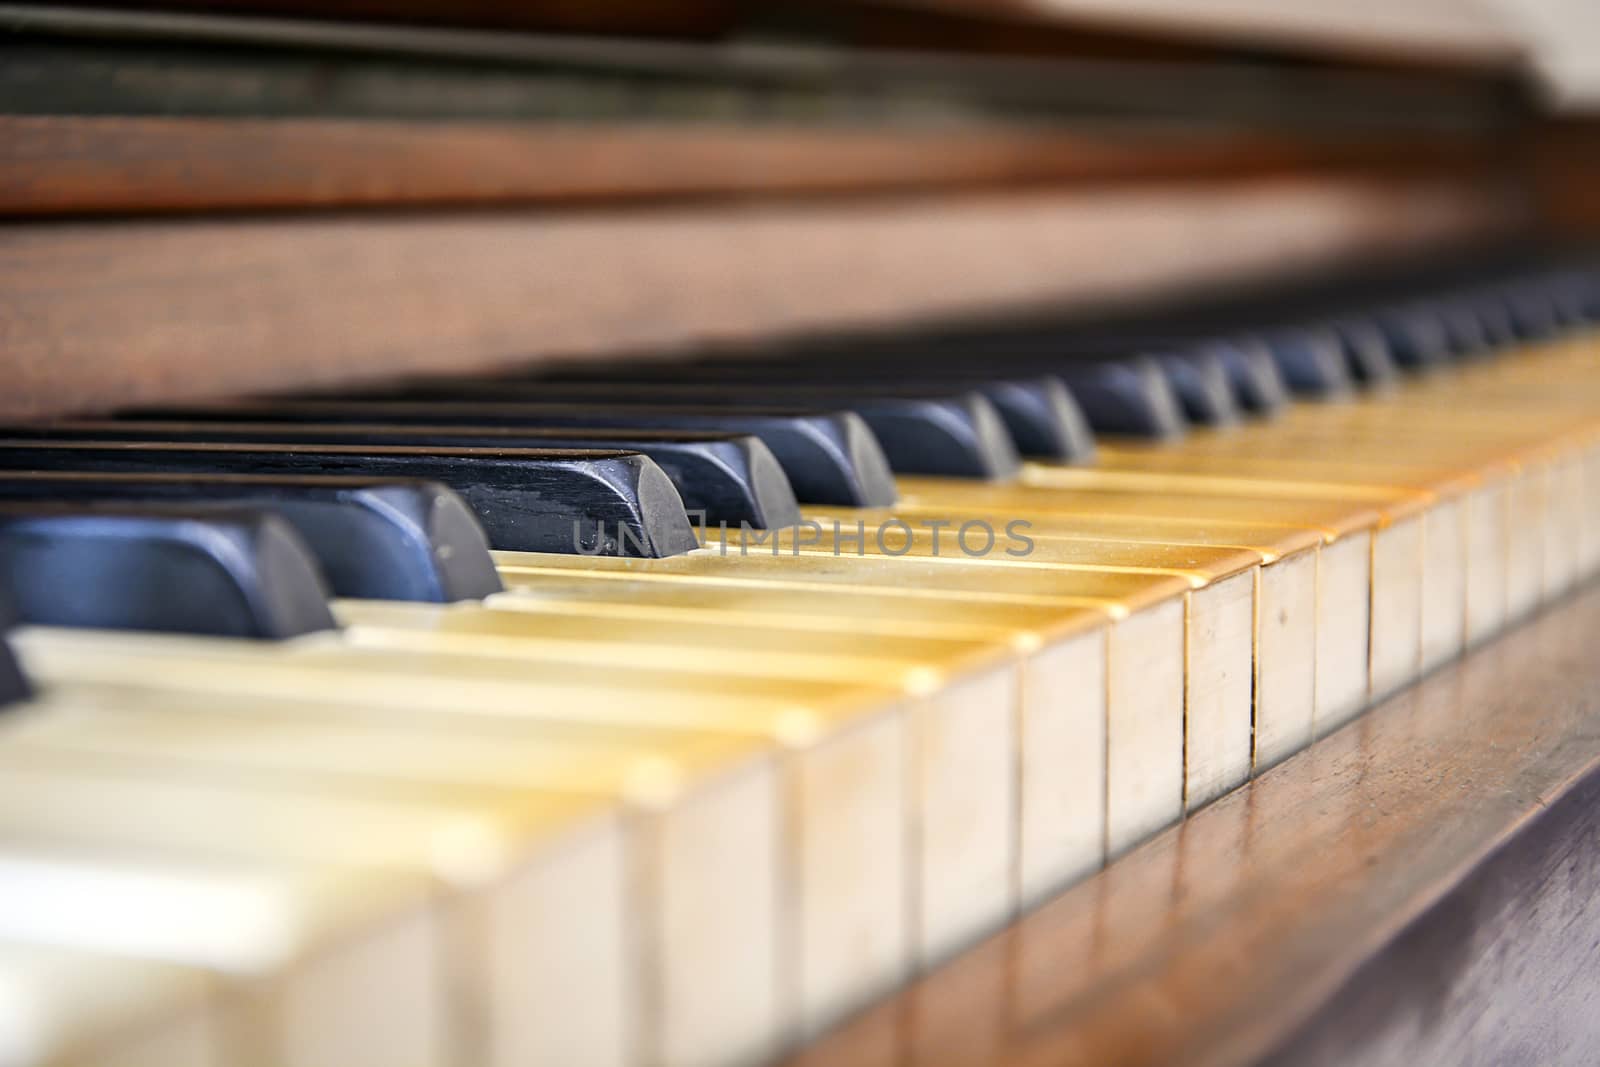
x=126 y=312
x=55 y=165
x=1428 y=863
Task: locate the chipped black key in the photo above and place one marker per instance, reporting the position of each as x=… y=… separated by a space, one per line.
x=731 y=478
x=534 y=500
x=379 y=539
x=220 y=573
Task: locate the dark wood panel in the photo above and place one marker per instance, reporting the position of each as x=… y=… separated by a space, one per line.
x=1565 y=165
x=100 y=314
x=1423 y=887
x=123 y=165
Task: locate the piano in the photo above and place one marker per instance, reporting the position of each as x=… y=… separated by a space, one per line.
x=859 y=534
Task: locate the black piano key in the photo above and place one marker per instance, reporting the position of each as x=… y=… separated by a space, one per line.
x=1251 y=373
x=1464 y=329
x=1417 y=339
x=220 y=573
x=1578 y=298
x=729 y=478
x=961 y=435
x=378 y=540
x=1366 y=350
x=1039 y=413
x=1042 y=416
x=829 y=458
x=1494 y=318
x=1311 y=360
x=1202 y=385
x=1129 y=397
x=13 y=683
x=595 y=503
x=1534 y=314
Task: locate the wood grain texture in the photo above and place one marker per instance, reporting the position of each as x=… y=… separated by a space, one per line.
x=1417 y=888
x=116 y=313
x=86 y=165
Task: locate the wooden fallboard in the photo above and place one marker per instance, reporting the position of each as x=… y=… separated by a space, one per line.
x=100 y=314
x=1419 y=884
x=59 y=165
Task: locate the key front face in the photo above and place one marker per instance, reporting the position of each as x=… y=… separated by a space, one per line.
x=229 y=573
x=394 y=540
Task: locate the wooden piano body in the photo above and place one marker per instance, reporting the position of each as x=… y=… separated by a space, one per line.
x=246 y=198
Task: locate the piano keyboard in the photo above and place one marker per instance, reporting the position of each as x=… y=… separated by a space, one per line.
x=426 y=725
